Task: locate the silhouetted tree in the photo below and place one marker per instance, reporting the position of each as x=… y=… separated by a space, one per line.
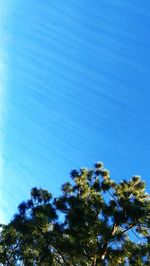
x=94 y=222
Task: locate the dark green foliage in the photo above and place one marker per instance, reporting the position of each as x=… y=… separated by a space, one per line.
x=94 y=222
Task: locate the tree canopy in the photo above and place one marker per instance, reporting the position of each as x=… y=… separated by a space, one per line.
x=95 y=221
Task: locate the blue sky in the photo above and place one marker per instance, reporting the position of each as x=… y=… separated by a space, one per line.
x=75 y=90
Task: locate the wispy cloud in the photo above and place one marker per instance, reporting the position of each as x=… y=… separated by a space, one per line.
x=3 y=77
x=2 y=112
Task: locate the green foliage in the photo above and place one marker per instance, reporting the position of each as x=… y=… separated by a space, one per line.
x=94 y=222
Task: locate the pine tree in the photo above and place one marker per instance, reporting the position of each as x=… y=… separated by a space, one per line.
x=95 y=221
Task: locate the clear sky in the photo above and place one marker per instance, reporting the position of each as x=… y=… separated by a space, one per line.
x=74 y=89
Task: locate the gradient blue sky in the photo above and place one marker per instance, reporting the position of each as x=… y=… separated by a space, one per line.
x=75 y=78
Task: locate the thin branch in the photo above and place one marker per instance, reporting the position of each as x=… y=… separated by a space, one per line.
x=135 y=234
x=127 y=229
